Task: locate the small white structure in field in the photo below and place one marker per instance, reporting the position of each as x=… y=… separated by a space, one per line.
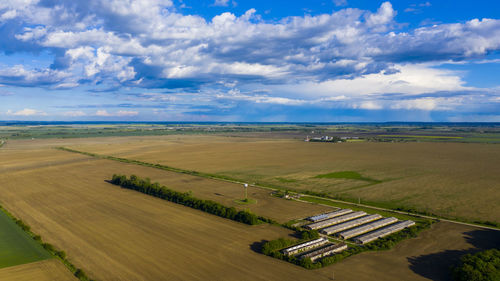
x=367 y=227
x=324 y=251
x=329 y=215
x=350 y=224
x=363 y=239
x=335 y=220
x=305 y=246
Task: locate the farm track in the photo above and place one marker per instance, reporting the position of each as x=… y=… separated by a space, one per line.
x=204 y=175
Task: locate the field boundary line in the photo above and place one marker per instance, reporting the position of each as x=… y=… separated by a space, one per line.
x=55 y=253
x=231 y=180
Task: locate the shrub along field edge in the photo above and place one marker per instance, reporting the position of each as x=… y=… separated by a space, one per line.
x=61 y=255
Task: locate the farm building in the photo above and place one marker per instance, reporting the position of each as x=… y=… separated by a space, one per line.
x=367 y=227
x=305 y=246
x=324 y=251
x=329 y=215
x=332 y=221
x=350 y=224
x=363 y=239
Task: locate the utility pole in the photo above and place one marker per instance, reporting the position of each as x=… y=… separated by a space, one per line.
x=246 y=192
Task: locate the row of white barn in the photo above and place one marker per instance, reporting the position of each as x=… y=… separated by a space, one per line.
x=347 y=224
x=315 y=249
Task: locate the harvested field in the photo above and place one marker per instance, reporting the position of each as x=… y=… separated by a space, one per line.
x=448 y=179
x=222 y=192
x=48 y=270
x=117 y=234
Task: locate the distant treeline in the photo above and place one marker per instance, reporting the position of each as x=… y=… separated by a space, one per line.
x=155 y=189
x=79 y=273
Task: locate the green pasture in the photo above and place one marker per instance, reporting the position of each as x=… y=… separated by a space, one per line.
x=350 y=175
x=16 y=246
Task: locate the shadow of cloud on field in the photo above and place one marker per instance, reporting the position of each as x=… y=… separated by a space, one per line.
x=437 y=266
x=483 y=239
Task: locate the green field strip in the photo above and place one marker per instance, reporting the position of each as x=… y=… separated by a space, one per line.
x=16 y=246
x=349 y=175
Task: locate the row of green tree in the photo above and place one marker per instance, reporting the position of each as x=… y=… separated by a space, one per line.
x=184 y=198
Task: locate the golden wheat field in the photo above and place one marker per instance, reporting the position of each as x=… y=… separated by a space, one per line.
x=47 y=270
x=456 y=180
x=118 y=234
x=224 y=192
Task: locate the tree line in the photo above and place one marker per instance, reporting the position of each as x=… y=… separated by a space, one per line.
x=184 y=198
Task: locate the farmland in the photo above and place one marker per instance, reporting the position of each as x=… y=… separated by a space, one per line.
x=454 y=180
x=69 y=203
x=16 y=247
x=118 y=234
x=46 y=270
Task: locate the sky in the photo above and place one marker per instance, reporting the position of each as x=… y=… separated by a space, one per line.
x=250 y=61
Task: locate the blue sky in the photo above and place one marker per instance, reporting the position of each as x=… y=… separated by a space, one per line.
x=225 y=60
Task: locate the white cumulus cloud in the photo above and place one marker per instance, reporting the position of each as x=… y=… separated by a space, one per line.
x=26 y=112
